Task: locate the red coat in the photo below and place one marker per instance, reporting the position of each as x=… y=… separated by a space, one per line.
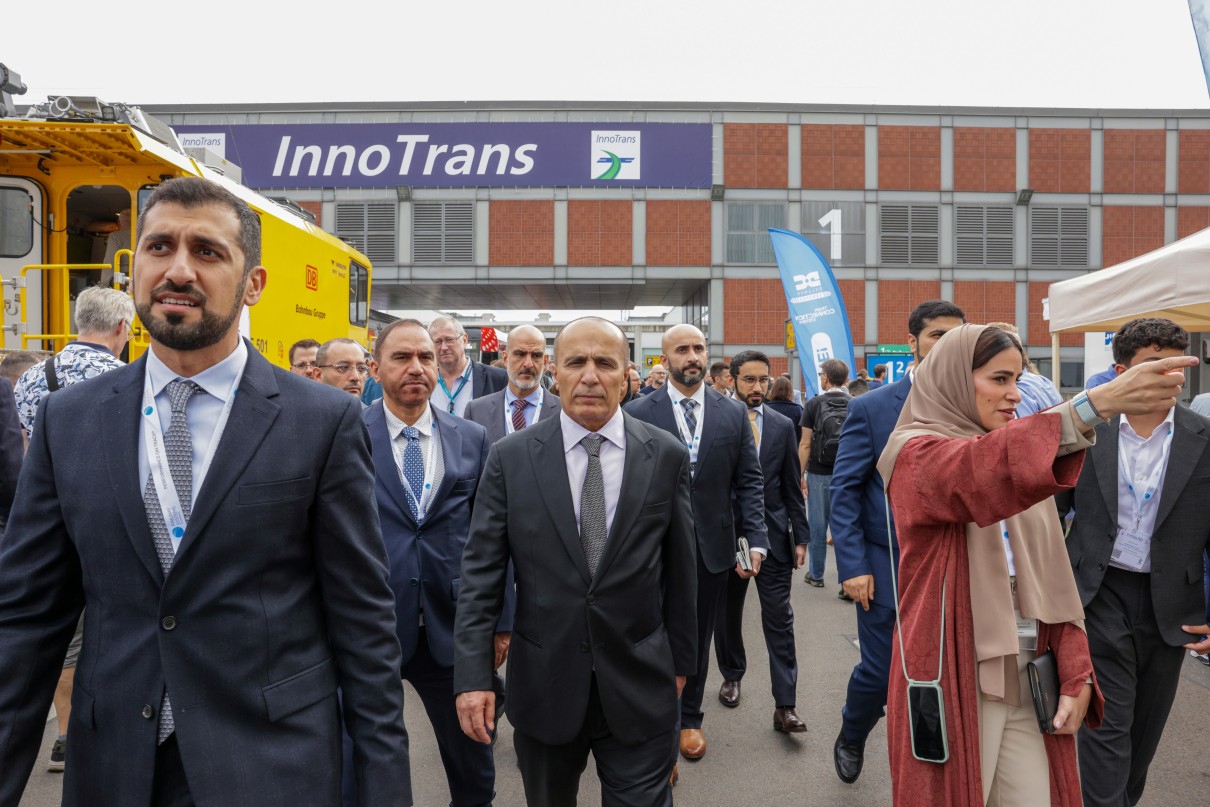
x=938 y=487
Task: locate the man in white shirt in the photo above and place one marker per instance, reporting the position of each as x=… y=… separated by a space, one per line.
x=1136 y=547
x=459 y=380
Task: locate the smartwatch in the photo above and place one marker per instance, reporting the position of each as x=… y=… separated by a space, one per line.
x=1085 y=410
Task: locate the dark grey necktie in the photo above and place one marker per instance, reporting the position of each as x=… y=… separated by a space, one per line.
x=178 y=449
x=592 y=505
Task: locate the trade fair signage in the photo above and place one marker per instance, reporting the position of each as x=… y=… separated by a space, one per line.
x=462 y=155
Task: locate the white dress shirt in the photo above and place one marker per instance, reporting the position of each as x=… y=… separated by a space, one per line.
x=613 y=459
x=1141 y=456
x=692 y=441
x=530 y=413
x=428 y=430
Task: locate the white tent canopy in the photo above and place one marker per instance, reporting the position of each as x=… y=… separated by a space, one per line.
x=1172 y=282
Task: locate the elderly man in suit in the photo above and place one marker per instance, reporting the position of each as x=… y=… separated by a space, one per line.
x=786 y=520
x=523 y=402
x=426 y=470
x=234 y=575
x=725 y=471
x=1136 y=546
x=860 y=540
x=594 y=512
x=459 y=380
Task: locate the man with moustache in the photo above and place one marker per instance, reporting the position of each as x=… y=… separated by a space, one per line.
x=426 y=470
x=786 y=521
x=593 y=508
x=341 y=363
x=858 y=520
x=726 y=472
x=523 y=402
x=234 y=574
x=460 y=380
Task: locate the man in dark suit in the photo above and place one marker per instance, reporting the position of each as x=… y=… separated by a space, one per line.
x=594 y=512
x=858 y=519
x=12 y=449
x=426 y=469
x=725 y=469
x=460 y=380
x=234 y=575
x=1136 y=546
x=786 y=521
x=523 y=402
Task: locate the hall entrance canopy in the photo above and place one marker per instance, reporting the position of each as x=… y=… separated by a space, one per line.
x=1172 y=282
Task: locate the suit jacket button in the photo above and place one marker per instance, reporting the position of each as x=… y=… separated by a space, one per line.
x=414 y=582
x=1100 y=567
x=592 y=600
x=148 y=712
x=583 y=647
x=168 y=623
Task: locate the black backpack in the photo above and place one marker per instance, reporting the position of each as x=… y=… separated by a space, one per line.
x=825 y=437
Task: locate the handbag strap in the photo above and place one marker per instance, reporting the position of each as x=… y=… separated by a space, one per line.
x=52 y=380
x=895 y=593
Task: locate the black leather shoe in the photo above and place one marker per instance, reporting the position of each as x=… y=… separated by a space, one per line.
x=787 y=720
x=728 y=694
x=849 y=758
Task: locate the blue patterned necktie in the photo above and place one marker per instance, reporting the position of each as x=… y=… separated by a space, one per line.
x=688 y=405
x=413 y=468
x=178 y=449
x=592 y=505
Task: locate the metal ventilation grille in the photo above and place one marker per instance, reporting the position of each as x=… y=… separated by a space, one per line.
x=1058 y=237
x=748 y=226
x=984 y=235
x=443 y=232
x=908 y=234
x=371 y=227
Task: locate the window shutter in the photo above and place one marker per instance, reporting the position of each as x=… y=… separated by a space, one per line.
x=983 y=235
x=370 y=227
x=443 y=232
x=908 y=234
x=1058 y=237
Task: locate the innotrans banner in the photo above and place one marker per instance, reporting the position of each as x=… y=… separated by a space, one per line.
x=462 y=155
x=821 y=324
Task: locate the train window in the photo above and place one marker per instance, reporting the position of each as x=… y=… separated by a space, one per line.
x=16 y=223
x=359 y=294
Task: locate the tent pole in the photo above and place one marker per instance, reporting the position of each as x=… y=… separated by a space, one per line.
x=1054 y=359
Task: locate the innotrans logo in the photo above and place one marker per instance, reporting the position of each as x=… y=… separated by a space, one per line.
x=615 y=155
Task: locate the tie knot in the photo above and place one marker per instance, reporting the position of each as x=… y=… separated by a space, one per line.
x=752 y=415
x=411 y=432
x=179 y=393
x=592 y=444
x=519 y=404
x=688 y=404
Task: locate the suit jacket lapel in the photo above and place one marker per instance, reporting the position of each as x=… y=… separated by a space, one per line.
x=496 y=415
x=476 y=380
x=451 y=451
x=122 y=456
x=661 y=412
x=1105 y=464
x=767 y=438
x=546 y=452
x=251 y=417
x=712 y=412
x=636 y=480
x=384 y=458
x=1188 y=442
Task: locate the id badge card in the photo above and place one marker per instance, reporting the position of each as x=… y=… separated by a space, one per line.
x=1027 y=632
x=1131 y=550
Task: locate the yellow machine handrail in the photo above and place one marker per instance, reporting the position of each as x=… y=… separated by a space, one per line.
x=65 y=311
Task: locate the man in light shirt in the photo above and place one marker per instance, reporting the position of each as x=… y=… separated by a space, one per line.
x=459 y=380
x=524 y=400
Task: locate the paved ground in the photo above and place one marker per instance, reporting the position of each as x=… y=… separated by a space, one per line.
x=749 y=764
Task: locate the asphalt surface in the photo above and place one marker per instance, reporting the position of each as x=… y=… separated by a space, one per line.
x=747 y=763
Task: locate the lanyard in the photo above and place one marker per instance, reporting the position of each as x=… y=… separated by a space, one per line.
x=692 y=441
x=508 y=415
x=466 y=375
x=1152 y=482
x=1008 y=548
x=430 y=471
x=157 y=459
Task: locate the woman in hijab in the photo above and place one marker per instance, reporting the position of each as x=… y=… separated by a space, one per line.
x=984 y=572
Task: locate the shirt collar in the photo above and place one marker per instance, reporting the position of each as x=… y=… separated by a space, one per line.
x=614 y=431
x=1124 y=426
x=218 y=380
x=534 y=398
x=395 y=425
x=92 y=345
x=698 y=395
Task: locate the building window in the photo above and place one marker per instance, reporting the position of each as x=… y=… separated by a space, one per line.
x=1058 y=237
x=748 y=226
x=984 y=235
x=909 y=234
x=16 y=223
x=837 y=229
x=370 y=227
x=359 y=294
x=443 y=232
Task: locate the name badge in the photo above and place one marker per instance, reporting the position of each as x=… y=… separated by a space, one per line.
x=1131 y=549
x=1027 y=632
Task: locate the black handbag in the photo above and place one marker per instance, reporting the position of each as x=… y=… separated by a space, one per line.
x=1044 y=687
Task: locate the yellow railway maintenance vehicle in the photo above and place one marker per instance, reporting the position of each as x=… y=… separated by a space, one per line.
x=70 y=166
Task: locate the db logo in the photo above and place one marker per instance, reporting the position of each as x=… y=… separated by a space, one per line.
x=312 y=278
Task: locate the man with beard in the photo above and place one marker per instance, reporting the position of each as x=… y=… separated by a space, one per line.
x=725 y=471
x=524 y=400
x=656 y=377
x=460 y=380
x=341 y=363
x=786 y=520
x=234 y=574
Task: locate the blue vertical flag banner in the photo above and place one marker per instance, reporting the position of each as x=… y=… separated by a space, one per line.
x=817 y=312
x=1199 y=11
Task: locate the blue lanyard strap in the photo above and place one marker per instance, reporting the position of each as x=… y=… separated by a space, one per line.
x=465 y=376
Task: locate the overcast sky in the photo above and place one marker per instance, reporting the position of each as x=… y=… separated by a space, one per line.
x=1035 y=53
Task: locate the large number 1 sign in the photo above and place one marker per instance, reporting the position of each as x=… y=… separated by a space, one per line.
x=833 y=220
x=836 y=229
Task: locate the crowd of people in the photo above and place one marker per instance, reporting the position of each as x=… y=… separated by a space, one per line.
x=221 y=593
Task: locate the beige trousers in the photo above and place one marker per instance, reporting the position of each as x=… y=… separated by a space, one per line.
x=1015 y=770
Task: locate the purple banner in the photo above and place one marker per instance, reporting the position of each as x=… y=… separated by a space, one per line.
x=462 y=155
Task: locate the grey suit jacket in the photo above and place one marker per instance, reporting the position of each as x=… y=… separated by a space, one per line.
x=1182 y=527
x=488 y=412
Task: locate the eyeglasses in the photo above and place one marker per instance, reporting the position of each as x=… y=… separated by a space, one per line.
x=751 y=379
x=343 y=368
x=303 y=365
x=447 y=340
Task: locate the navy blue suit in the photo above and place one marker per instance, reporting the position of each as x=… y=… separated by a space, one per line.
x=425 y=562
x=861 y=544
